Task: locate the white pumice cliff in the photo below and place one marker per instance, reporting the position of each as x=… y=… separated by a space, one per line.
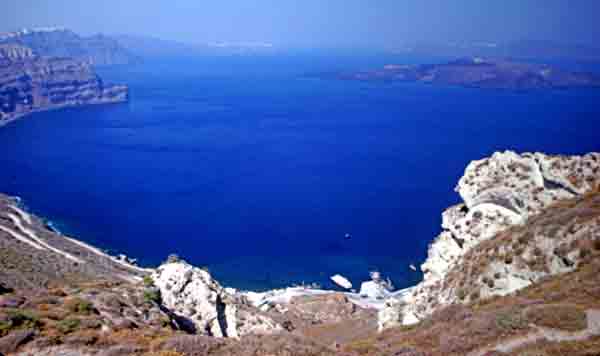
x=527 y=220
x=498 y=193
x=191 y=293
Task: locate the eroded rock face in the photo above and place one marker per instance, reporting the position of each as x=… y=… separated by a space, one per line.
x=60 y=42
x=194 y=295
x=30 y=83
x=499 y=192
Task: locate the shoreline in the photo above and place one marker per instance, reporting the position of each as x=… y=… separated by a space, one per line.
x=21 y=115
x=257 y=298
x=22 y=210
x=24 y=213
x=285 y=295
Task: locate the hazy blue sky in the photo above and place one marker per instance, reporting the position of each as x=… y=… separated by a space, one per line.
x=316 y=22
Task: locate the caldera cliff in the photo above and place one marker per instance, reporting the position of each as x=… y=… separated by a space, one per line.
x=523 y=218
x=30 y=83
x=515 y=270
x=97 y=50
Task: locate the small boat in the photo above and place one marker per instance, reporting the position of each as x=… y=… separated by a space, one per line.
x=413 y=267
x=347 y=236
x=341 y=281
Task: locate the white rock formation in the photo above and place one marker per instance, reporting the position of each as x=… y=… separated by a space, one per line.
x=498 y=192
x=341 y=281
x=193 y=294
x=372 y=289
x=376 y=288
x=392 y=314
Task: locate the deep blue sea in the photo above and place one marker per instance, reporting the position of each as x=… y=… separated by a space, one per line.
x=251 y=167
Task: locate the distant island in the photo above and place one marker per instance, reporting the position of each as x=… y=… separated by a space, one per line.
x=480 y=73
x=518 y=49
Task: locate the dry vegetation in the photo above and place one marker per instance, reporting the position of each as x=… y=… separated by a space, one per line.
x=577 y=218
x=590 y=347
x=123 y=319
x=86 y=315
x=557 y=302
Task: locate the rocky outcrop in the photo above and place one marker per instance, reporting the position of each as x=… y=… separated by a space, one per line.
x=376 y=288
x=63 y=43
x=30 y=83
x=192 y=294
x=76 y=316
x=500 y=193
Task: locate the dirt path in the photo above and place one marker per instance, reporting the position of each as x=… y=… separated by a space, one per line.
x=21 y=220
x=20 y=237
x=33 y=236
x=552 y=335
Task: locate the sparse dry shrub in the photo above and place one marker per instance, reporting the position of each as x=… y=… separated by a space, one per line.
x=563 y=317
x=148 y=338
x=148 y=281
x=584 y=252
x=152 y=296
x=82 y=337
x=511 y=320
x=451 y=314
x=53 y=314
x=17 y=319
x=79 y=306
x=525 y=238
x=164 y=353
x=68 y=325
x=57 y=292
x=596 y=244
x=552 y=232
x=43 y=307
x=362 y=347
x=532 y=263
x=408 y=351
x=515 y=245
x=588 y=347
x=533 y=353
x=519 y=251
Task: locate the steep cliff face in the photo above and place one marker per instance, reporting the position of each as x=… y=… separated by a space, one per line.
x=58 y=42
x=529 y=223
x=507 y=234
x=210 y=309
x=30 y=83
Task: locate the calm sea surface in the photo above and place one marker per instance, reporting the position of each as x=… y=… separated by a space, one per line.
x=258 y=171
